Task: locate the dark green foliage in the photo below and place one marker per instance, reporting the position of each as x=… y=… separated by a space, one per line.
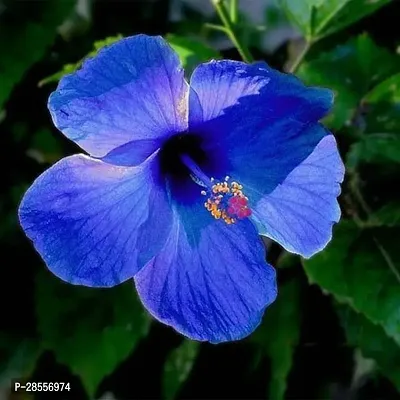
x=316 y=18
x=103 y=340
x=24 y=41
x=373 y=343
x=363 y=66
x=278 y=336
x=368 y=255
x=178 y=367
x=90 y=330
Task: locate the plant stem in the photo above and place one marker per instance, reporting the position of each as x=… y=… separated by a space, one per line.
x=300 y=57
x=234 y=11
x=215 y=27
x=230 y=30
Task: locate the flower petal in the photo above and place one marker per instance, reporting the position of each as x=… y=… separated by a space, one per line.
x=218 y=85
x=269 y=124
x=300 y=212
x=131 y=90
x=211 y=281
x=93 y=223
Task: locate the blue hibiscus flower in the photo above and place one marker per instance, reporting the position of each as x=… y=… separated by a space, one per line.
x=180 y=181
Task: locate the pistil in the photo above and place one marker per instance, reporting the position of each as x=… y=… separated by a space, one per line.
x=226 y=200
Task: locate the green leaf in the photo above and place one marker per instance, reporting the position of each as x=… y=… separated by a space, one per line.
x=373 y=342
x=360 y=267
x=299 y=13
x=336 y=15
x=279 y=334
x=383 y=103
x=99 y=44
x=388 y=215
x=25 y=42
x=45 y=148
x=363 y=65
x=69 y=68
x=388 y=90
x=18 y=358
x=178 y=366
x=90 y=330
x=319 y=18
x=191 y=51
x=378 y=148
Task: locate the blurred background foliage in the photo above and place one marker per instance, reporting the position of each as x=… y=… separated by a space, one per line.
x=334 y=331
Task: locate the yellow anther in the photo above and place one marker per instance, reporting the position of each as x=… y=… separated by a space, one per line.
x=227 y=209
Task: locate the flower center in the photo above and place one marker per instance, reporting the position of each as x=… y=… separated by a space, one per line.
x=170 y=156
x=226 y=200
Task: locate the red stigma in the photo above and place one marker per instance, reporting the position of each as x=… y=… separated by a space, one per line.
x=237 y=207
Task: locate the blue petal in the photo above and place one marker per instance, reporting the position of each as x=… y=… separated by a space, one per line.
x=264 y=123
x=94 y=224
x=132 y=90
x=261 y=132
x=211 y=281
x=300 y=213
x=219 y=85
x=132 y=153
